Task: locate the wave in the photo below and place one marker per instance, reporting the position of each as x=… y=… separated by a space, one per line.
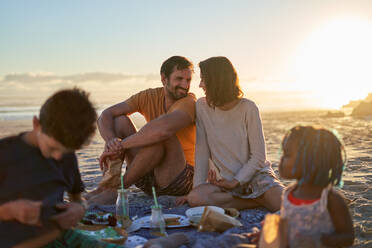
x=18 y=113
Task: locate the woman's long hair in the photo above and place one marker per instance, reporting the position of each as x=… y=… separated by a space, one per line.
x=221 y=81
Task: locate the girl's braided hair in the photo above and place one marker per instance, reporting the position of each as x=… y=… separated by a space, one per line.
x=320 y=154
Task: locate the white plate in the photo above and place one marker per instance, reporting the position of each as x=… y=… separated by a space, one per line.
x=145 y=221
x=194 y=214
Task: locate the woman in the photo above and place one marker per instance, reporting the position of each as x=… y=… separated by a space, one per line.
x=231 y=168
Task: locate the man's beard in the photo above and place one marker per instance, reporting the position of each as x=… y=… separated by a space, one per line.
x=173 y=94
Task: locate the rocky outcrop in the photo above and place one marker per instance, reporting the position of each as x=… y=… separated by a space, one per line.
x=355 y=103
x=352 y=104
x=363 y=109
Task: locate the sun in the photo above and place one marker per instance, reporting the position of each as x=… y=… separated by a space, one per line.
x=335 y=62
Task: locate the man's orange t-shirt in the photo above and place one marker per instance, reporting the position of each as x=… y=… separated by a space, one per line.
x=151 y=104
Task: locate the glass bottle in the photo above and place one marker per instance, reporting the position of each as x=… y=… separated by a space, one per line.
x=157 y=222
x=122 y=208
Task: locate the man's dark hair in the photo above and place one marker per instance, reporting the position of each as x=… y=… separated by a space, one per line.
x=179 y=62
x=69 y=117
x=221 y=81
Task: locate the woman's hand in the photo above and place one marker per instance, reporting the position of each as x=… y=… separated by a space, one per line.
x=223 y=183
x=227 y=184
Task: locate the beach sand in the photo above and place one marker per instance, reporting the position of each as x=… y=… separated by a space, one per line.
x=356 y=133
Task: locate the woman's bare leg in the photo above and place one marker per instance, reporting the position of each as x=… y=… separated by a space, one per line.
x=271 y=199
x=208 y=194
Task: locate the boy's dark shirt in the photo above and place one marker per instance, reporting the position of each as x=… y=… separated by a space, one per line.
x=26 y=174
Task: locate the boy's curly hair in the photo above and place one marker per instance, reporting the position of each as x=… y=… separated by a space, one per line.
x=320 y=154
x=69 y=117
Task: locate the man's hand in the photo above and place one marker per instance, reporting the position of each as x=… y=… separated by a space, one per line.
x=223 y=183
x=72 y=214
x=25 y=211
x=107 y=155
x=113 y=145
x=181 y=200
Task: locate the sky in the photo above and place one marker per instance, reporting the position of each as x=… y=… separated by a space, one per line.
x=288 y=54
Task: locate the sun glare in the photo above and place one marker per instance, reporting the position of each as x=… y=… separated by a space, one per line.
x=335 y=62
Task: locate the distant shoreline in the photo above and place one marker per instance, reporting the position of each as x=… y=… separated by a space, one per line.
x=22 y=112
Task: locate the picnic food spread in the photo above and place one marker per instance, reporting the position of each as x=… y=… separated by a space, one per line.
x=109 y=228
x=99 y=219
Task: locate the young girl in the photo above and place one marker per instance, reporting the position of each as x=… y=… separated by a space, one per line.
x=317 y=214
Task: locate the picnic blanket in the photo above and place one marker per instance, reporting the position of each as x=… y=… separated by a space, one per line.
x=140 y=205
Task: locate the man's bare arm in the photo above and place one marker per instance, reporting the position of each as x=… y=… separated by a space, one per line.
x=106 y=120
x=158 y=130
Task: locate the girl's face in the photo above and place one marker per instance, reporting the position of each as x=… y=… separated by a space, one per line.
x=288 y=161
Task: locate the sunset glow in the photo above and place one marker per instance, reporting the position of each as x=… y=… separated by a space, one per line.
x=335 y=62
x=318 y=55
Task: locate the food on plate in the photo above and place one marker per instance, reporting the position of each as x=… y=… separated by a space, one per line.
x=99 y=219
x=172 y=221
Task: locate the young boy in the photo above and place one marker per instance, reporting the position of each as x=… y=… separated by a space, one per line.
x=38 y=166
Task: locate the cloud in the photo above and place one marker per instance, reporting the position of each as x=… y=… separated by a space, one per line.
x=100 y=77
x=105 y=88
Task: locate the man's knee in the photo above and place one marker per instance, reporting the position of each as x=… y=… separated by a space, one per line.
x=156 y=151
x=163 y=154
x=124 y=126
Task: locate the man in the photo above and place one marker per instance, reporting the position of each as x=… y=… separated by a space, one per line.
x=160 y=154
x=37 y=167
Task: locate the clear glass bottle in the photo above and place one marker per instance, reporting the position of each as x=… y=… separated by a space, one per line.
x=122 y=214
x=157 y=222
